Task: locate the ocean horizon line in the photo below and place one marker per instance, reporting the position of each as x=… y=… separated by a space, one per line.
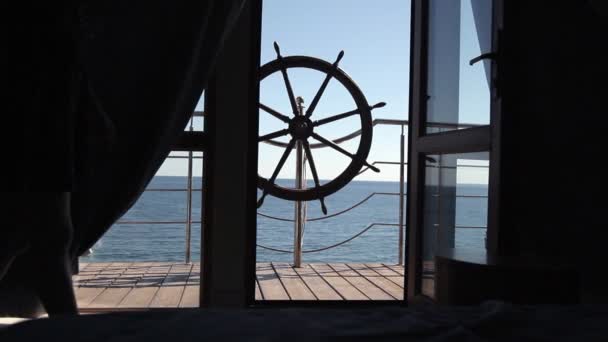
x=325 y=180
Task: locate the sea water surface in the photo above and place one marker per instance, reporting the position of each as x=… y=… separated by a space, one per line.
x=166 y=242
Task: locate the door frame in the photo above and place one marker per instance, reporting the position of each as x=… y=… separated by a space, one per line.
x=230 y=168
x=420 y=144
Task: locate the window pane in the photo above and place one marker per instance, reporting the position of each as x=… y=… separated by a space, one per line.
x=197 y=121
x=455 y=207
x=458 y=93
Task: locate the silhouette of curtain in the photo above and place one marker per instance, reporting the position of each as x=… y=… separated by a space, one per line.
x=145 y=65
x=482 y=14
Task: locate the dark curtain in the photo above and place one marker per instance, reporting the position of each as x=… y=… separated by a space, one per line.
x=144 y=66
x=101 y=89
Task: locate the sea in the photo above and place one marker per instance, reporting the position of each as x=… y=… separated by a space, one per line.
x=165 y=240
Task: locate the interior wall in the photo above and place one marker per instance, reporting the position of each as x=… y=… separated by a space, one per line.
x=554 y=92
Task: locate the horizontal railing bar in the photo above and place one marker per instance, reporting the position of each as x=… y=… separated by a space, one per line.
x=457 y=226
x=457 y=166
x=441 y=167
x=394 y=122
x=174 y=190
x=431 y=166
x=439 y=124
x=154 y=222
x=184 y=222
x=374 y=123
x=388 y=193
x=184 y=157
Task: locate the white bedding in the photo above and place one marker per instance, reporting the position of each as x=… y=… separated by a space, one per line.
x=6 y=321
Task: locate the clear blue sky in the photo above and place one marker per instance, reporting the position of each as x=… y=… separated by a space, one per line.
x=376 y=39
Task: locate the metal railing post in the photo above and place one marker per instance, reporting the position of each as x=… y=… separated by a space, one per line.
x=401 y=199
x=189 y=201
x=299 y=215
x=299 y=209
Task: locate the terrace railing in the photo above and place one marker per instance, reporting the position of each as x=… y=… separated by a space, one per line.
x=300 y=215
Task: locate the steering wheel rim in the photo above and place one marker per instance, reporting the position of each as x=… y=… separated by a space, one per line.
x=363 y=111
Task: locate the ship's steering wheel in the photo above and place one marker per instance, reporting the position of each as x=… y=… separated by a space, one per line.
x=301 y=127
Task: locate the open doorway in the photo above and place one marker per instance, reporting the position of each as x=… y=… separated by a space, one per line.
x=328 y=230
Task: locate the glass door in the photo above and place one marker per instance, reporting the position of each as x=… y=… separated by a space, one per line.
x=452 y=149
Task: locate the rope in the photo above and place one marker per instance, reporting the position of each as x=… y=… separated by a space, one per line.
x=335 y=214
x=330 y=246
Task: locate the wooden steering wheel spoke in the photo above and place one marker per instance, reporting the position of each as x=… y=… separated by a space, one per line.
x=274 y=135
x=313 y=170
x=328 y=77
x=274 y=113
x=277 y=169
x=283 y=68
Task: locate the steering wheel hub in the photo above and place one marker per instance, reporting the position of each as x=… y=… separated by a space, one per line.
x=301 y=128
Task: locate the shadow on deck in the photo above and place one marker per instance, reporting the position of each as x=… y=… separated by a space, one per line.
x=146 y=285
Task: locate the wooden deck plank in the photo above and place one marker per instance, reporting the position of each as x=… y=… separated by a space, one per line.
x=296 y=288
x=191 y=295
x=388 y=286
x=382 y=270
x=399 y=281
x=380 y=281
x=270 y=285
x=167 y=297
x=95 y=275
x=323 y=270
x=396 y=268
x=153 y=275
x=339 y=284
x=115 y=268
x=139 y=297
x=85 y=295
x=363 y=270
x=170 y=292
x=343 y=271
x=112 y=294
x=109 y=298
x=369 y=289
x=141 y=294
x=387 y=273
x=258 y=293
x=81 y=279
x=99 y=265
x=89 y=272
x=319 y=287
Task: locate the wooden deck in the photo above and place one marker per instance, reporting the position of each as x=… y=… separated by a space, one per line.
x=170 y=285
